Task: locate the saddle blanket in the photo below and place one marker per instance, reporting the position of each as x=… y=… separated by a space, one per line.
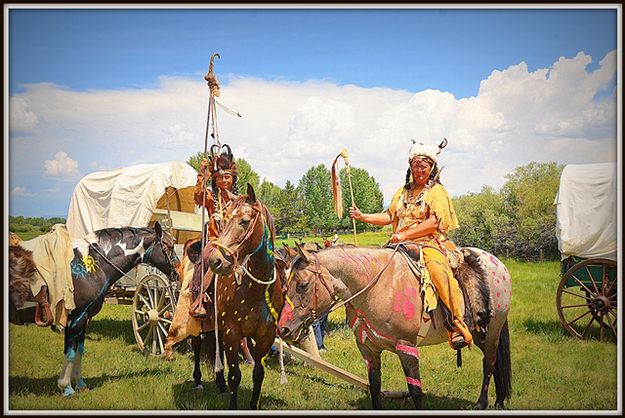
x=52 y=254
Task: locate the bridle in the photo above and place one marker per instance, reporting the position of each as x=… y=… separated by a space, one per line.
x=171 y=259
x=335 y=304
x=241 y=267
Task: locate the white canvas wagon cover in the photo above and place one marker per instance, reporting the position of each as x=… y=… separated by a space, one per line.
x=586 y=211
x=124 y=197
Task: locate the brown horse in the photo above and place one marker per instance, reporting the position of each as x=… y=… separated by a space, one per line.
x=249 y=300
x=385 y=310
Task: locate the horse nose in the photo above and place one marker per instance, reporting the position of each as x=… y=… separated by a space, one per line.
x=284 y=331
x=216 y=263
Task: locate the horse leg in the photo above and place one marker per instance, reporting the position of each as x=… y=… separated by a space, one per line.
x=496 y=363
x=79 y=383
x=74 y=334
x=196 y=343
x=211 y=349
x=409 y=357
x=263 y=346
x=231 y=346
x=372 y=360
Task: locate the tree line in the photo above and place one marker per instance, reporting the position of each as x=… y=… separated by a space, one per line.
x=517 y=220
x=307 y=207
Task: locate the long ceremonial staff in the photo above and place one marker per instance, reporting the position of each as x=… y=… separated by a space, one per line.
x=213 y=85
x=345 y=156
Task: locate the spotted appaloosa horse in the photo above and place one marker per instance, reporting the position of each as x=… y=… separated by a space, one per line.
x=389 y=314
x=247 y=306
x=101 y=259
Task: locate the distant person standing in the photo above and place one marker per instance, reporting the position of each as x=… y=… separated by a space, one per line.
x=335 y=238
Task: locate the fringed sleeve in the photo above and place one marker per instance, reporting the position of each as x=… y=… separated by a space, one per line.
x=440 y=205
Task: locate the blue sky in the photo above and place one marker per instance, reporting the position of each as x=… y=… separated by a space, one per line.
x=405 y=54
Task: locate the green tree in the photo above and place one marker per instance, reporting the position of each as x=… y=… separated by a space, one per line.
x=246 y=175
x=483 y=222
x=269 y=193
x=316 y=192
x=528 y=196
x=195 y=160
x=289 y=216
x=367 y=195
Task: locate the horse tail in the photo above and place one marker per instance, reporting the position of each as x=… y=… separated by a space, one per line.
x=503 y=367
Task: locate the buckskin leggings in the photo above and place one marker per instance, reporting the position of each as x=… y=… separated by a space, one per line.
x=444 y=281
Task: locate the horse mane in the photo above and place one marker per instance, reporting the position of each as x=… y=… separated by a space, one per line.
x=472 y=279
x=21 y=271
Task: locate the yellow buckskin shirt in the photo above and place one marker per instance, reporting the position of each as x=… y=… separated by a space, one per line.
x=408 y=208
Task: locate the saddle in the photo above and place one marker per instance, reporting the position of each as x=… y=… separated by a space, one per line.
x=475 y=291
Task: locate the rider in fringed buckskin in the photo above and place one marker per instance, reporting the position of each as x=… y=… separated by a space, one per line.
x=218 y=202
x=421 y=211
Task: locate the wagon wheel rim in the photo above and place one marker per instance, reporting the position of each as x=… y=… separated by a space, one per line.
x=152 y=311
x=589 y=303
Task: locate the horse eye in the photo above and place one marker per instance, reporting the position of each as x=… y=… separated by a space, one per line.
x=244 y=222
x=302 y=286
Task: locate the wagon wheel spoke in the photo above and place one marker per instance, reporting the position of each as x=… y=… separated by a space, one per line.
x=165 y=320
x=160 y=312
x=579 y=317
x=144 y=300
x=582 y=284
x=604 y=279
x=576 y=294
x=154 y=342
x=611 y=324
x=577 y=306
x=587 y=327
x=155 y=297
x=142 y=327
x=146 y=340
x=161 y=300
x=594 y=284
x=160 y=338
x=601 y=327
x=150 y=297
x=162 y=328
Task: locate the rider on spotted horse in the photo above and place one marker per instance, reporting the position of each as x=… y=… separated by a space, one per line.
x=218 y=203
x=421 y=212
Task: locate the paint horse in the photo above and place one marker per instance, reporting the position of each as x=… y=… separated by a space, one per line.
x=385 y=310
x=249 y=300
x=100 y=259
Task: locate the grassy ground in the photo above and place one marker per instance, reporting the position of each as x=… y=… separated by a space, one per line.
x=551 y=371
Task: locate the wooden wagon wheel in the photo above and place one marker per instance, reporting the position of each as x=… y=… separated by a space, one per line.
x=152 y=311
x=586 y=296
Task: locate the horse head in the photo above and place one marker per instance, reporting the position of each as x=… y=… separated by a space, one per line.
x=160 y=253
x=309 y=294
x=248 y=229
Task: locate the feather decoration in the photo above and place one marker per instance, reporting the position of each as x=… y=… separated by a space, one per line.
x=337 y=194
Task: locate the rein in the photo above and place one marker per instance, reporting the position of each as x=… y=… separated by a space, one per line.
x=242 y=267
x=334 y=306
x=148 y=251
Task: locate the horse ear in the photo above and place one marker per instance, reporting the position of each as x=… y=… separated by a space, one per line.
x=251 y=195
x=302 y=252
x=158 y=230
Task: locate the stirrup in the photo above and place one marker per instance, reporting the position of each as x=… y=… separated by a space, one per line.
x=457 y=340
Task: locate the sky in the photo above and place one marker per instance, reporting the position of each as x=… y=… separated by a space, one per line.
x=98 y=89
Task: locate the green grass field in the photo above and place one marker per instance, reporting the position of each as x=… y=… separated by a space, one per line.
x=551 y=371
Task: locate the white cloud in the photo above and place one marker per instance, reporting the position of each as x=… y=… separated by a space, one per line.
x=61 y=168
x=21 y=119
x=21 y=192
x=518 y=116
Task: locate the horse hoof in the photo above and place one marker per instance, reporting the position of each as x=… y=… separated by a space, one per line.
x=479 y=406
x=68 y=391
x=198 y=387
x=81 y=386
